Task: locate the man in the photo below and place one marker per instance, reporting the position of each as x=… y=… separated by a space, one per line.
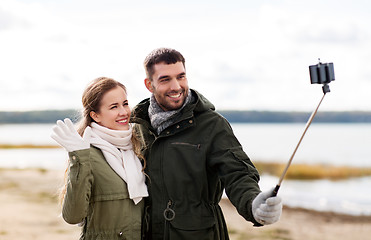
x=192 y=156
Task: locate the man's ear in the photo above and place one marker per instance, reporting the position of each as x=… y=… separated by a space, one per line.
x=94 y=116
x=148 y=84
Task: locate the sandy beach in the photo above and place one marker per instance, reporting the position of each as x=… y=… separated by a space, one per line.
x=29 y=210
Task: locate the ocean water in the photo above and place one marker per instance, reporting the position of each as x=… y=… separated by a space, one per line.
x=37 y=134
x=330 y=144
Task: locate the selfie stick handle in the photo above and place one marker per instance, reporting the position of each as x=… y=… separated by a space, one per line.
x=325 y=89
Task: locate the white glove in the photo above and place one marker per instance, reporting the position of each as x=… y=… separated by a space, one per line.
x=66 y=135
x=267 y=209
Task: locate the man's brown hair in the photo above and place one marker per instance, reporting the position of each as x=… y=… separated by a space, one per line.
x=159 y=55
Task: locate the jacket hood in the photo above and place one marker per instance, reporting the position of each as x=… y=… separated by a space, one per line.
x=202 y=103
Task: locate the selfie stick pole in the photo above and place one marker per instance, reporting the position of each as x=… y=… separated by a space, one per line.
x=275 y=191
x=325 y=89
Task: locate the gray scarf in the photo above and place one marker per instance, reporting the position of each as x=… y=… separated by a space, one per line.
x=161 y=119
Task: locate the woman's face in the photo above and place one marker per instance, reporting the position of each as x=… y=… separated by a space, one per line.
x=114 y=112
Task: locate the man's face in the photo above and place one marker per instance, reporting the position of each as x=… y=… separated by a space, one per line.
x=169 y=85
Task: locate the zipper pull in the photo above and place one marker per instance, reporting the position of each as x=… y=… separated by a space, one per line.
x=169 y=214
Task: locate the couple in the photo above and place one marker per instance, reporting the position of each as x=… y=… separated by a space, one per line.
x=163 y=178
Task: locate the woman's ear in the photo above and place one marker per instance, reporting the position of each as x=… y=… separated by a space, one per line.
x=148 y=84
x=95 y=116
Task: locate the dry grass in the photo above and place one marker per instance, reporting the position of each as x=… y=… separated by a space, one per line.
x=275 y=233
x=296 y=171
x=309 y=172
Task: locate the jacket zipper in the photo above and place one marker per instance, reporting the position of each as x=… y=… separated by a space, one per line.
x=169 y=215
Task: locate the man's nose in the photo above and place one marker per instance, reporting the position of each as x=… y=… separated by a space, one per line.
x=174 y=84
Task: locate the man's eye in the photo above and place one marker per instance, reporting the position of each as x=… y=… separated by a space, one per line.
x=164 y=80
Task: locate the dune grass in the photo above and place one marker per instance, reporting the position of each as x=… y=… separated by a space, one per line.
x=296 y=171
x=311 y=172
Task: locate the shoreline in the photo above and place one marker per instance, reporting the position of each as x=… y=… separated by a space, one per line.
x=298 y=224
x=296 y=172
x=30 y=210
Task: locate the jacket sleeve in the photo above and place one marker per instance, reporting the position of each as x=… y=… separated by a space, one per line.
x=79 y=184
x=237 y=173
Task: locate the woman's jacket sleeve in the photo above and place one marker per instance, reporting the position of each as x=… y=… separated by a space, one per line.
x=79 y=184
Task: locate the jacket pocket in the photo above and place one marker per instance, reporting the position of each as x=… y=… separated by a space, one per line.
x=115 y=215
x=110 y=197
x=185 y=144
x=240 y=155
x=192 y=223
x=187 y=227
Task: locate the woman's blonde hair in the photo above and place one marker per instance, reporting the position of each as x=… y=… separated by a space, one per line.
x=91 y=101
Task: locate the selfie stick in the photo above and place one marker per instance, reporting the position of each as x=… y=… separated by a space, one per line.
x=322 y=73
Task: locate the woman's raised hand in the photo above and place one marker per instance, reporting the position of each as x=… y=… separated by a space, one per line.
x=65 y=134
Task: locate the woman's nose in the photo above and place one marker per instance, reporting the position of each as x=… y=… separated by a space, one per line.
x=124 y=111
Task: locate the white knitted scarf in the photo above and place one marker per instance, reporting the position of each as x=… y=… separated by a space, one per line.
x=118 y=150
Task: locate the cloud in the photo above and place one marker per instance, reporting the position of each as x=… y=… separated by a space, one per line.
x=245 y=55
x=6 y=20
x=9 y=21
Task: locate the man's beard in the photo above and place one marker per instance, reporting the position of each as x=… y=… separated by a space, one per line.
x=172 y=105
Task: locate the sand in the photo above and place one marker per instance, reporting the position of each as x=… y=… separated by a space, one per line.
x=29 y=210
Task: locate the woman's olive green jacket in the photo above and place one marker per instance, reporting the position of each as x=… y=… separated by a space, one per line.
x=189 y=164
x=98 y=198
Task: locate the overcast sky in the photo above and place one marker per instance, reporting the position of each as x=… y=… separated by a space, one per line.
x=246 y=55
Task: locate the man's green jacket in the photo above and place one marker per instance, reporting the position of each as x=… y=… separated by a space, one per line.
x=189 y=164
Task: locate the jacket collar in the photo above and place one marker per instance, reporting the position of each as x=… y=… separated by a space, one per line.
x=201 y=104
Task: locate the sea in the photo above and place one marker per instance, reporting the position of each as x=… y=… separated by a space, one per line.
x=327 y=144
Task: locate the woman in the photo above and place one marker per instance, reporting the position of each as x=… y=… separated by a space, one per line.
x=105 y=183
